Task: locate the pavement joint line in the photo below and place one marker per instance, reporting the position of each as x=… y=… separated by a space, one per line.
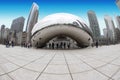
x=8 y=74
x=101 y=65
x=21 y=66
x=115 y=73
x=68 y=66
x=92 y=67
x=30 y=61
x=102 y=60
x=110 y=64
x=18 y=57
x=10 y=71
x=45 y=67
x=105 y=61
x=115 y=64
x=30 y=70
x=68 y=73
x=10 y=77
x=58 y=74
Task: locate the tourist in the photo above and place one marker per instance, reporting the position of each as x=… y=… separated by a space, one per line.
x=28 y=45
x=12 y=43
x=7 y=43
x=96 y=44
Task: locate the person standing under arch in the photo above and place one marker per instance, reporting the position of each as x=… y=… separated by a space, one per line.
x=96 y=44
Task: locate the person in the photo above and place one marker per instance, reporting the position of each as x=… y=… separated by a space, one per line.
x=28 y=45
x=7 y=43
x=96 y=44
x=64 y=45
x=12 y=43
x=52 y=45
x=49 y=45
x=57 y=45
x=23 y=44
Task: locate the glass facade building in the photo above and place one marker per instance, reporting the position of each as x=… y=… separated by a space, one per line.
x=94 y=25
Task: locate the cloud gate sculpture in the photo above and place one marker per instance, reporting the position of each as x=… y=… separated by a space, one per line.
x=61 y=30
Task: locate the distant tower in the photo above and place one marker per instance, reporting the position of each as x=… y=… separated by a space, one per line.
x=118 y=21
x=2 y=34
x=6 y=34
x=117 y=35
x=118 y=3
x=111 y=35
x=94 y=24
x=18 y=24
x=32 y=20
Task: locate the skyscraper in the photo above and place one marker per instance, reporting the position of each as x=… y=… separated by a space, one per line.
x=118 y=3
x=2 y=34
x=32 y=20
x=118 y=21
x=18 y=24
x=117 y=35
x=94 y=24
x=6 y=34
x=111 y=35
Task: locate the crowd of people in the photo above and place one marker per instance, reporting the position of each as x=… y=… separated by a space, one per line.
x=12 y=44
x=62 y=45
x=26 y=45
x=9 y=43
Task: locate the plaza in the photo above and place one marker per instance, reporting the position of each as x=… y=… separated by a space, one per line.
x=19 y=63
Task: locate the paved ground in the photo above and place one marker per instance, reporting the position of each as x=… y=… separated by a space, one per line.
x=101 y=63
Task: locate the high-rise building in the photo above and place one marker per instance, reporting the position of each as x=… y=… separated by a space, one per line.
x=111 y=34
x=13 y=37
x=32 y=20
x=2 y=34
x=19 y=38
x=117 y=35
x=94 y=24
x=118 y=21
x=105 y=31
x=118 y=3
x=24 y=37
x=6 y=34
x=18 y=24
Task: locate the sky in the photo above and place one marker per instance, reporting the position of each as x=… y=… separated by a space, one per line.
x=11 y=9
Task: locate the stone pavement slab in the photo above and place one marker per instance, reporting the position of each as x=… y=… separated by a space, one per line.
x=101 y=63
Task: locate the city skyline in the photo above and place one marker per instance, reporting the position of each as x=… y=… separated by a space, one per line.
x=11 y=9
